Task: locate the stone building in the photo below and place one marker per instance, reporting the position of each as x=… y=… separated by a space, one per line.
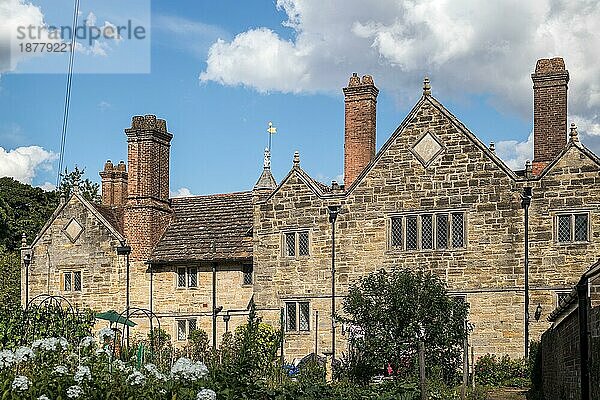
x=434 y=197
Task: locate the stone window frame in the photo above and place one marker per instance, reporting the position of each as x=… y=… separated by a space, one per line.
x=296 y=233
x=188 y=277
x=71 y=274
x=247 y=274
x=558 y=294
x=187 y=322
x=297 y=305
x=434 y=218
x=572 y=214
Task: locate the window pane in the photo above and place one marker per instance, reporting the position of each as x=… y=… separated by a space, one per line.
x=564 y=228
x=77 y=281
x=67 y=276
x=396 y=234
x=181 y=330
x=247 y=274
x=304 y=317
x=427 y=231
x=411 y=233
x=290 y=244
x=458 y=230
x=290 y=311
x=441 y=226
x=303 y=246
x=581 y=227
x=180 y=277
x=191 y=325
x=193 y=277
x=560 y=296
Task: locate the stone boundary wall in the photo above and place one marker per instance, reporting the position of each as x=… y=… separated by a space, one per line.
x=561 y=361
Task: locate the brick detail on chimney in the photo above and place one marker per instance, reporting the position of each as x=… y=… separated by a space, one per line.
x=549 y=111
x=114 y=184
x=148 y=209
x=360 y=126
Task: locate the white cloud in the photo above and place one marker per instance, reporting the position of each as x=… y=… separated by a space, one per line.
x=192 y=36
x=48 y=187
x=465 y=47
x=15 y=14
x=181 y=192
x=22 y=163
x=515 y=153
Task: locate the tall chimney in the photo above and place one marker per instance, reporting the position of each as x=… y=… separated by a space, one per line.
x=360 y=118
x=114 y=184
x=148 y=208
x=549 y=111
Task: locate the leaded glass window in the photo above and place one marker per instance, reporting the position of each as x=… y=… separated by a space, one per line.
x=581 y=227
x=290 y=311
x=441 y=231
x=180 y=277
x=427 y=231
x=247 y=271
x=458 y=230
x=303 y=245
x=396 y=233
x=193 y=277
x=192 y=325
x=77 y=281
x=564 y=228
x=303 y=316
x=68 y=281
x=181 y=329
x=411 y=232
x=290 y=244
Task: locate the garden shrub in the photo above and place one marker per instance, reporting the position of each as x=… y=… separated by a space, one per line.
x=493 y=371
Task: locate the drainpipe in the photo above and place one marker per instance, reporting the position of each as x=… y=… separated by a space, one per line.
x=525 y=203
x=584 y=353
x=214 y=305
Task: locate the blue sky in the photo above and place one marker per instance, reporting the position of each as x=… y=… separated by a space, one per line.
x=219 y=71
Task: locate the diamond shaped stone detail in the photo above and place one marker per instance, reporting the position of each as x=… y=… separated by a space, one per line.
x=427 y=149
x=73 y=229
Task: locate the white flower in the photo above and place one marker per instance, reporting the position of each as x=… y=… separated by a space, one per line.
x=106 y=334
x=21 y=383
x=103 y=351
x=206 y=394
x=43 y=397
x=60 y=370
x=136 y=378
x=82 y=373
x=121 y=366
x=74 y=392
x=187 y=370
x=50 y=344
x=153 y=370
x=7 y=359
x=87 y=342
x=23 y=354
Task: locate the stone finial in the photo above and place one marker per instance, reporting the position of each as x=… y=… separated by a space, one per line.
x=267 y=159
x=62 y=199
x=296 y=159
x=426 y=87
x=528 y=169
x=23 y=241
x=335 y=185
x=354 y=80
x=76 y=188
x=573 y=135
x=492 y=147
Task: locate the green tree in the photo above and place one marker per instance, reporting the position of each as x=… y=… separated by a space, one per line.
x=391 y=311
x=88 y=189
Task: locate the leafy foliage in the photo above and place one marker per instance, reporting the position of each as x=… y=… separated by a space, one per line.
x=493 y=371
x=88 y=189
x=390 y=311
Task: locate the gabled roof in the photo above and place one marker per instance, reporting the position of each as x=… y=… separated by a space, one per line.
x=109 y=217
x=459 y=125
x=572 y=143
x=207 y=228
x=318 y=188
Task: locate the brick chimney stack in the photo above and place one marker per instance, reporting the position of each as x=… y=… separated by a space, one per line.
x=360 y=119
x=148 y=209
x=549 y=111
x=114 y=184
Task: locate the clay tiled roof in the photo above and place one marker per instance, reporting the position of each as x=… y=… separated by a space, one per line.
x=113 y=215
x=206 y=228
